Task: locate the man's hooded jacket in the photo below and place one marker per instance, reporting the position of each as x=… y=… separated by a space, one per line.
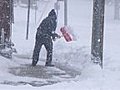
x=48 y=25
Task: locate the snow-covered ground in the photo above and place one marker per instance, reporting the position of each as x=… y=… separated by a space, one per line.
x=75 y=54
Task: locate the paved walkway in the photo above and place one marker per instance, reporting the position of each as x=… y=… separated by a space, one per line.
x=47 y=75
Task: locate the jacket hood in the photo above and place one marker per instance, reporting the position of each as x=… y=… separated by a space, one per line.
x=52 y=13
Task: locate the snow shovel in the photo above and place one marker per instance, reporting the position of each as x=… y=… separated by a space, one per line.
x=65 y=34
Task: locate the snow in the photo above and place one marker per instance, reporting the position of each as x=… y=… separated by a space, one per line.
x=75 y=54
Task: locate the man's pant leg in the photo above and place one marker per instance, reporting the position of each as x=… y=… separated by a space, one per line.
x=36 y=52
x=49 y=48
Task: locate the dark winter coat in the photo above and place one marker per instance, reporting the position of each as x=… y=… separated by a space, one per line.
x=48 y=26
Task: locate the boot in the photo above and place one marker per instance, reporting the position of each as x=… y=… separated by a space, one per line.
x=34 y=63
x=49 y=64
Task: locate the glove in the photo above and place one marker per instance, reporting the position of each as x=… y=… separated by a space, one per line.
x=55 y=35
